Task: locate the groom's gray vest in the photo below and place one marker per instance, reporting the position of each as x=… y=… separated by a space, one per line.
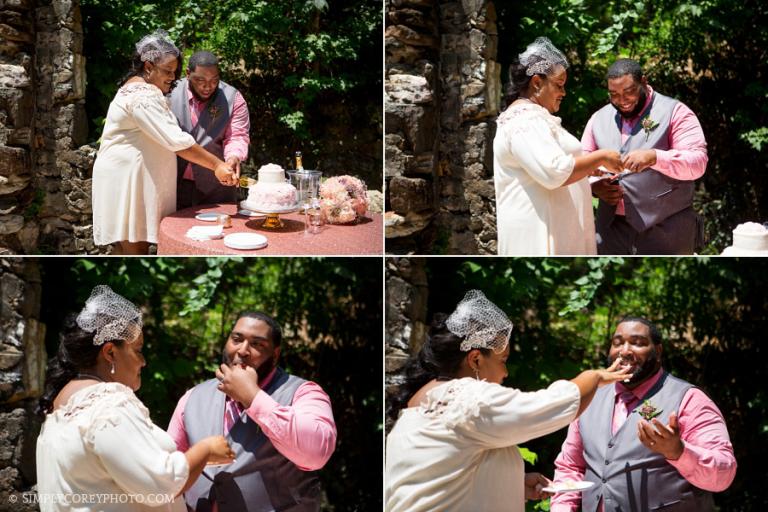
x=627 y=475
x=260 y=479
x=209 y=132
x=650 y=197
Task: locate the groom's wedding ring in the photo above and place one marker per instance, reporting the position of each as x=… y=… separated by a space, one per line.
x=652 y=443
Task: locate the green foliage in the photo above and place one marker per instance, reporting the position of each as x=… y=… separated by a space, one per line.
x=527 y=455
x=33 y=208
x=330 y=312
x=756 y=138
x=713 y=313
x=708 y=54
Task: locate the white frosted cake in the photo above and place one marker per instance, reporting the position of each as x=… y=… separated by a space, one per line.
x=749 y=239
x=271 y=192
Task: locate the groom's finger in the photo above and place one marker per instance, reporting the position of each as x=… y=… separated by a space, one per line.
x=664 y=430
x=648 y=430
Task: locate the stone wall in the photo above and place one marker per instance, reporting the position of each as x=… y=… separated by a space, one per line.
x=405 y=313
x=22 y=375
x=44 y=172
x=442 y=89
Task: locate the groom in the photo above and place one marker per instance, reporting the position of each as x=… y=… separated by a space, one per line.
x=649 y=212
x=677 y=459
x=280 y=427
x=216 y=115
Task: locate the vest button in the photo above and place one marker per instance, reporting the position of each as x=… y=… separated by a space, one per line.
x=604 y=480
x=610 y=445
x=607 y=462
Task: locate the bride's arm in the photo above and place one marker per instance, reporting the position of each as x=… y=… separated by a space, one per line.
x=214 y=448
x=586 y=164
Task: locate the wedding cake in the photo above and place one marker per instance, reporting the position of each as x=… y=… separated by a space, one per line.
x=271 y=192
x=749 y=239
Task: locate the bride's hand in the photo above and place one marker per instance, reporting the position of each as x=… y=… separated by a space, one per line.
x=534 y=483
x=612 y=161
x=224 y=174
x=614 y=373
x=219 y=450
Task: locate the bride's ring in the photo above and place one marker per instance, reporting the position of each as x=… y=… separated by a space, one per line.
x=652 y=443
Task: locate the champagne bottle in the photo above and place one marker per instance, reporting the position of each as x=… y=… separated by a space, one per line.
x=299 y=165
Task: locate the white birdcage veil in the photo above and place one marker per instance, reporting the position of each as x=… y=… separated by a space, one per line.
x=541 y=57
x=153 y=46
x=110 y=317
x=480 y=322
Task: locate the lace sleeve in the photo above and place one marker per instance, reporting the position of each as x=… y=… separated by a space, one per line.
x=140 y=457
x=138 y=94
x=457 y=404
x=531 y=137
x=510 y=416
x=152 y=115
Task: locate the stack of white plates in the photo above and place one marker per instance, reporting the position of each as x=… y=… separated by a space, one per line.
x=245 y=241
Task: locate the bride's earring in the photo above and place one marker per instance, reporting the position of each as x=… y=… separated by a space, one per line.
x=477 y=374
x=112 y=370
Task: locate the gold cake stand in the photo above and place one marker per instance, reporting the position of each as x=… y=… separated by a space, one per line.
x=272 y=221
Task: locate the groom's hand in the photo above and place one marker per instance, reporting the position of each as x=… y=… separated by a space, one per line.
x=660 y=438
x=607 y=190
x=238 y=383
x=234 y=163
x=639 y=159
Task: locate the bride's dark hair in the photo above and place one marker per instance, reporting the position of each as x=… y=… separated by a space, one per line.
x=440 y=356
x=518 y=81
x=76 y=354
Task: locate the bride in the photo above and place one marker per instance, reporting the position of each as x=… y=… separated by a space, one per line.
x=543 y=202
x=98 y=448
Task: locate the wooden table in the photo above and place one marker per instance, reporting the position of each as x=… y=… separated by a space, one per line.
x=365 y=237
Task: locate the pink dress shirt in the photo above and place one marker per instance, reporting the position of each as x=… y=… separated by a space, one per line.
x=236 y=138
x=303 y=432
x=707 y=460
x=686 y=160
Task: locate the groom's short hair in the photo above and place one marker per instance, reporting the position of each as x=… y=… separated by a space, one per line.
x=276 y=333
x=625 y=67
x=202 y=58
x=656 y=337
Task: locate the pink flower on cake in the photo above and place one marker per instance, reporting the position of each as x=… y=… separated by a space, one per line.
x=343 y=199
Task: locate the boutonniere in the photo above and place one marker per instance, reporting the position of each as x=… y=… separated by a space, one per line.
x=648 y=125
x=213 y=110
x=648 y=411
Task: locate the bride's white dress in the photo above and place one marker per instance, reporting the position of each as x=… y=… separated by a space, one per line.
x=533 y=155
x=134 y=175
x=100 y=451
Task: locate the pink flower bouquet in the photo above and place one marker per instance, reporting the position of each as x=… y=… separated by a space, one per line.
x=343 y=199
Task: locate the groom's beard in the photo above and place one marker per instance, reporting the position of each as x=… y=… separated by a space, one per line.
x=638 y=108
x=262 y=371
x=647 y=369
x=200 y=98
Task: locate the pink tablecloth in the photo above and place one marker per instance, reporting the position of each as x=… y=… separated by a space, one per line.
x=365 y=237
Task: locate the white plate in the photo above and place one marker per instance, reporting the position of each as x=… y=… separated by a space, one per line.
x=245 y=241
x=568 y=486
x=208 y=217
